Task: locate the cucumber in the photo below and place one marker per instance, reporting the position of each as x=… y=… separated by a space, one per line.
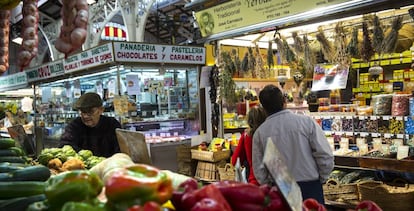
x=8 y=152
x=9 y=190
x=7 y=169
x=12 y=159
x=19 y=151
x=6 y=143
x=21 y=203
x=31 y=173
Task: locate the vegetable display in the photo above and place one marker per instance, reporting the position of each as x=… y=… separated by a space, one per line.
x=73 y=30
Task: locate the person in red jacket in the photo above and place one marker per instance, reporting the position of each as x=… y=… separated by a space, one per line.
x=255 y=117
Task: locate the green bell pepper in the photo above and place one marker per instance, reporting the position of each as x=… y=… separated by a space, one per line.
x=77 y=185
x=136 y=185
x=81 y=206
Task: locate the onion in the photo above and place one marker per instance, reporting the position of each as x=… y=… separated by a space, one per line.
x=78 y=36
x=63 y=46
x=29 y=33
x=29 y=9
x=28 y=45
x=81 y=5
x=29 y=20
x=81 y=20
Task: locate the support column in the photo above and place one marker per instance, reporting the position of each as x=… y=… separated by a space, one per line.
x=135 y=14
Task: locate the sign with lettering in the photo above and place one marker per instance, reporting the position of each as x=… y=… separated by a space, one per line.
x=45 y=71
x=14 y=81
x=153 y=53
x=241 y=13
x=90 y=58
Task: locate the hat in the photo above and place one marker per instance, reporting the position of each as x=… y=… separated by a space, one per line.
x=88 y=100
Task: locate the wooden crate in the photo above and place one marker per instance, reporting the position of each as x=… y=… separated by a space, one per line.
x=208 y=171
x=209 y=156
x=334 y=191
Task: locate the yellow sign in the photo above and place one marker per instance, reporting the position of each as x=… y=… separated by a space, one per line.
x=240 y=13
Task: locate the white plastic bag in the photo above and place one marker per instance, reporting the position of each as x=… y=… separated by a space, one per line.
x=240 y=172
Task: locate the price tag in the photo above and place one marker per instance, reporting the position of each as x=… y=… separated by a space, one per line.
x=144 y=113
x=175 y=133
x=154 y=113
x=400 y=135
x=180 y=110
x=386 y=117
x=337 y=117
x=375 y=135
x=373 y=117
x=402 y=152
x=162 y=135
x=387 y=135
x=168 y=134
x=339 y=133
x=349 y=133
x=363 y=134
x=154 y=134
x=348 y=117
x=399 y=118
x=361 y=117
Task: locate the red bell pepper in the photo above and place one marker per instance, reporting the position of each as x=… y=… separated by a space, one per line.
x=187 y=186
x=274 y=199
x=136 y=185
x=367 y=205
x=190 y=199
x=208 y=204
x=242 y=196
x=313 y=205
x=148 y=206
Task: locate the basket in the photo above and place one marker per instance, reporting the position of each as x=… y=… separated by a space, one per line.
x=207 y=171
x=209 y=156
x=388 y=197
x=227 y=172
x=334 y=191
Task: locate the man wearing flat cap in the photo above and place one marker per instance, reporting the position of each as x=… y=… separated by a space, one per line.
x=92 y=130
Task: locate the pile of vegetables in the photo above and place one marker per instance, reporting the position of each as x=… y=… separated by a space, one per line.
x=66 y=158
x=21 y=183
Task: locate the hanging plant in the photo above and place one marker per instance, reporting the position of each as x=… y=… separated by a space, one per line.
x=245 y=63
x=252 y=61
x=259 y=67
x=390 y=41
x=326 y=46
x=308 y=58
x=270 y=61
x=297 y=43
x=366 y=49
x=378 y=35
x=280 y=49
x=290 y=55
x=341 y=57
x=236 y=61
x=352 y=48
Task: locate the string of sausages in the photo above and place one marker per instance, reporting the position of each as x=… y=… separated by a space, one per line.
x=28 y=49
x=73 y=31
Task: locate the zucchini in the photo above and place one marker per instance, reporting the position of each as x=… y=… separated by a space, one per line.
x=21 y=203
x=9 y=190
x=8 y=152
x=31 y=173
x=6 y=143
x=12 y=159
x=19 y=151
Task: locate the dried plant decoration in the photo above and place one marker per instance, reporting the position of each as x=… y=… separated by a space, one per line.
x=259 y=67
x=326 y=46
x=245 y=63
x=309 y=59
x=378 y=35
x=270 y=60
x=390 y=41
x=341 y=57
x=236 y=60
x=280 y=49
x=352 y=48
x=290 y=55
x=411 y=13
x=252 y=61
x=366 y=48
x=297 y=43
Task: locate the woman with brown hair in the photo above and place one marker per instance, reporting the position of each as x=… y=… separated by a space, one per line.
x=255 y=117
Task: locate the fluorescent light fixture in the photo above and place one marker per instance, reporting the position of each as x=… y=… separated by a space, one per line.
x=91 y=1
x=18 y=40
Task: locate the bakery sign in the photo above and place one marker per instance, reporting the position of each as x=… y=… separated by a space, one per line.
x=153 y=53
x=45 y=71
